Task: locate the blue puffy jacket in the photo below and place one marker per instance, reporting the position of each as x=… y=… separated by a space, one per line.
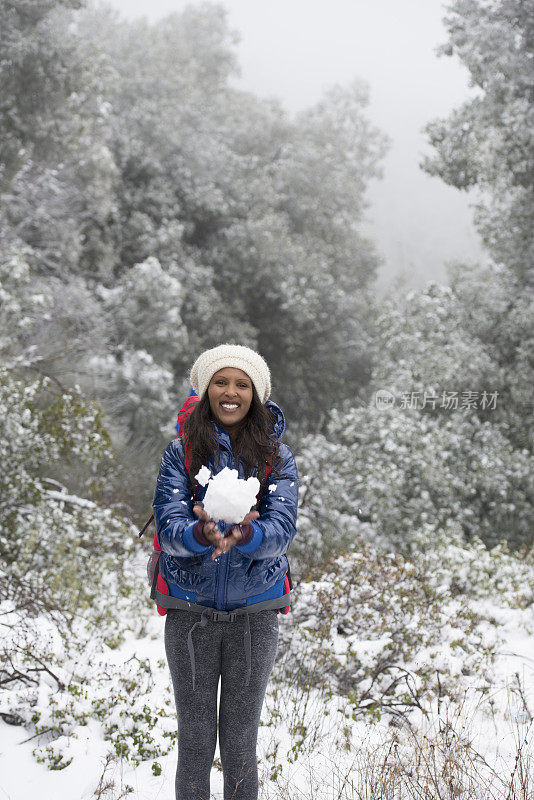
x=246 y=574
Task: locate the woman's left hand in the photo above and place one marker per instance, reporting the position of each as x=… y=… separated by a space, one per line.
x=235 y=535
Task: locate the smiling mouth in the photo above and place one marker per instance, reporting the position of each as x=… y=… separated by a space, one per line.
x=229 y=406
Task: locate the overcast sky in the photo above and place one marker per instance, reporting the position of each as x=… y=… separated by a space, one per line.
x=295 y=49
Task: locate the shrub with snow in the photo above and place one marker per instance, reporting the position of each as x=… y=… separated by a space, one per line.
x=65 y=559
x=388 y=632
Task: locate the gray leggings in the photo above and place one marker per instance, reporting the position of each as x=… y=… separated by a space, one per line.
x=219 y=651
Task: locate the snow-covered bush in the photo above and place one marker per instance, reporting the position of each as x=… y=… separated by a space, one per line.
x=145 y=304
x=60 y=678
x=415 y=471
x=136 y=716
x=135 y=390
x=65 y=570
x=22 y=302
x=56 y=546
x=442 y=451
x=477 y=572
x=389 y=633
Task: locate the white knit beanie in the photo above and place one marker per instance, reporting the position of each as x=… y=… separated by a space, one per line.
x=231 y=355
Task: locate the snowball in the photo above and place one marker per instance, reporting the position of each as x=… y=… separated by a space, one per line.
x=272 y=487
x=203 y=476
x=229 y=497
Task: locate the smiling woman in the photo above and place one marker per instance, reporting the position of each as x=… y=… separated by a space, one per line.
x=227 y=580
x=230 y=396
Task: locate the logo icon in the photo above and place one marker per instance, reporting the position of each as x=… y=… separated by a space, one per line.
x=384 y=399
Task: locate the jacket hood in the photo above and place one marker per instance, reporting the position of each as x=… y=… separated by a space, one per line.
x=279 y=424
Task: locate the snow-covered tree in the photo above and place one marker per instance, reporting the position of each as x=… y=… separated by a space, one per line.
x=36 y=82
x=422 y=461
x=178 y=212
x=487 y=143
x=445 y=451
x=216 y=185
x=56 y=171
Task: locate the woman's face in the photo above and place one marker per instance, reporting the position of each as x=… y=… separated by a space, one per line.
x=230 y=396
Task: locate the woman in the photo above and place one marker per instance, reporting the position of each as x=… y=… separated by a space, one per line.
x=226 y=582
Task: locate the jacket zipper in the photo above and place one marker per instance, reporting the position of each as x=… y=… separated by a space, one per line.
x=222 y=570
x=222 y=583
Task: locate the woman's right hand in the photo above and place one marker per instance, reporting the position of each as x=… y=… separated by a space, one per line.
x=210 y=529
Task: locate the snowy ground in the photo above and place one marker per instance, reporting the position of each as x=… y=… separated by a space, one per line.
x=317 y=765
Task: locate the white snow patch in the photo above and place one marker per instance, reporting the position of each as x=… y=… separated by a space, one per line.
x=70 y=498
x=229 y=497
x=203 y=476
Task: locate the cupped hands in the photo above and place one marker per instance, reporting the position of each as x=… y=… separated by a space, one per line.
x=222 y=542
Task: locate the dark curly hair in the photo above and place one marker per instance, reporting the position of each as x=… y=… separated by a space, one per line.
x=255 y=444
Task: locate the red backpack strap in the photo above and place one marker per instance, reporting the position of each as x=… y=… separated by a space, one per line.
x=184 y=412
x=263 y=487
x=158 y=583
x=156 y=543
x=188 y=459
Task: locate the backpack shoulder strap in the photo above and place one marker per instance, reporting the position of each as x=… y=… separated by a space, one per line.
x=185 y=410
x=264 y=483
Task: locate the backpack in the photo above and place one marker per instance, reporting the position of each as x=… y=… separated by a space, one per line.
x=158 y=585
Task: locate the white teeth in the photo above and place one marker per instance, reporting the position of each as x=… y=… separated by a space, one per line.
x=230 y=405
